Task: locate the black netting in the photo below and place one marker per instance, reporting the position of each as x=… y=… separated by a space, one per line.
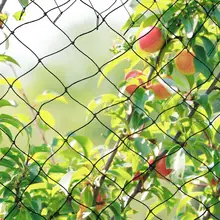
x=67 y=177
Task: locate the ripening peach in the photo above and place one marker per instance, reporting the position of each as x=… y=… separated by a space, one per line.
x=151 y=39
x=185 y=63
x=214 y=182
x=159 y=91
x=161 y=167
x=100 y=200
x=162 y=170
x=133 y=74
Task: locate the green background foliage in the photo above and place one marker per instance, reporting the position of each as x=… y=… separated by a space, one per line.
x=51 y=168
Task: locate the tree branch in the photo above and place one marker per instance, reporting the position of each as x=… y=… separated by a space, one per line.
x=2 y=5
x=175 y=139
x=152 y=69
x=110 y=160
x=106 y=168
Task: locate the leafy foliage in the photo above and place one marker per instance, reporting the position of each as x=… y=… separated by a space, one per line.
x=71 y=178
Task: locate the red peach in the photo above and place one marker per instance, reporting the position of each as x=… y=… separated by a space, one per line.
x=133 y=74
x=214 y=182
x=161 y=168
x=151 y=39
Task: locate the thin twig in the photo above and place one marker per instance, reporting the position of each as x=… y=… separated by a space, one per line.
x=106 y=168
x=175 y=139
x=157 y=61
x=22 y=92
x=110 y=160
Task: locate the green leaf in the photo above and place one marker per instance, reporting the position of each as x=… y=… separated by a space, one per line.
x=66 y=209
x=13 y=213
x=190 y=25
x=48 y=95
x=42 y=148
x=4 y=177
x=87 y=196
x=122 y=172
x=156 y=211
x=24 y=214
x=112 y=64
x=47 y=117
x=209 y=46
x=200 y=61
x=181 y=81
x=37 y=186
x=4 y=103
x=24 y=3
x=216 y=14
x=57 y=169
x=204 y=102
x=142 y=146
x=200 y=53
x=217 y=163
x=134 y=21
x=11 y=120
x=12 y=82
x=6 y=131
x=13 y=154
x=85 y=143
x=139 y=99
x=102 y=99
x=186 y=199
x=19 y=15
x=6 y=58
x=149 y=21
x=116 y=209
x=7 y=163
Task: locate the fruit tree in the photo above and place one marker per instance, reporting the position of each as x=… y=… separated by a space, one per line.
x=160 y=155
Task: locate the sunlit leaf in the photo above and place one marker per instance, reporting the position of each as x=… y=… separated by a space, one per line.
x=19 y=15
x=10 y=81
x=6 y=58
x=112 y=64
x=50 y=95
x=85 y=143
x=186 y=200
x=4 y=102
x=47 y=117
x=37 y=186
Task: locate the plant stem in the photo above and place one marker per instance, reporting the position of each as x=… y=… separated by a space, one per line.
x=110 y=160
x=175 y=139
x=22 y=92
x=152 y=69
x=106 y=168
